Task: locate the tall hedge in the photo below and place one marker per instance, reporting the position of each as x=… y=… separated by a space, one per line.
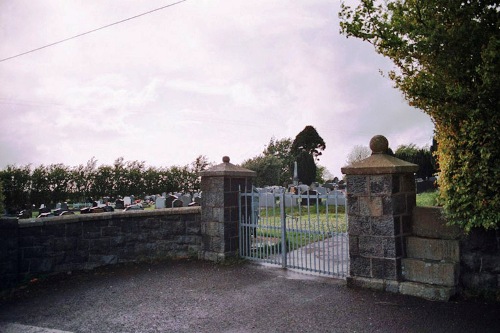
x=447 y=63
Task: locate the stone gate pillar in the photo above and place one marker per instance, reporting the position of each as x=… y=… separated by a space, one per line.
x=219 y=208
x=380 y=199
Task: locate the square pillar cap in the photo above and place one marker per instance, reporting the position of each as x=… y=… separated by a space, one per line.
x=379 y=162
x=227 y=169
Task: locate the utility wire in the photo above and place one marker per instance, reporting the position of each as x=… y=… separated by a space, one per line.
x=94 y=30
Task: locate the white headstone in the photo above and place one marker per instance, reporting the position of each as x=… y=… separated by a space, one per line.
x=321 y=190
x=160 y=202
x=303 y=188
x=266 y=200
x=290 y=201
x=336 y=197
x=186 y=199
x=127 y=201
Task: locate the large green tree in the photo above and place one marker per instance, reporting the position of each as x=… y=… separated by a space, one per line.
x=447 y=63
x=273 y=166
x=306 y=149
x=267 y=168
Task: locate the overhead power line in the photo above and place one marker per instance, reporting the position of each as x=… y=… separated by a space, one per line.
x=91 y=31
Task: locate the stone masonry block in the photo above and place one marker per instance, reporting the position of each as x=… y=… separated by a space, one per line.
x=407 y=181
x=381 y=184
x=431 y=272
x=353 y=244
x=383 y=226
x=352 y=204
x=386 y=268
x=389 y=246
x=399 y=204
x=370 y=206
x=359 y=225
x=433 y=249
x=212 y=184
x=370 y=246
x=359 y=266
x=429 y=222
x=357 y=185
x=430 y=292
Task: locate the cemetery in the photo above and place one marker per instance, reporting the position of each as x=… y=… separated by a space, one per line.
x=392 y=245
x=171 y=200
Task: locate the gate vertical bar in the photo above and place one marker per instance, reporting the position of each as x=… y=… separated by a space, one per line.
x=283 y=231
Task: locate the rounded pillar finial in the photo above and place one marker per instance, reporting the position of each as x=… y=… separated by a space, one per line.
x=379 y=144
x=225 y=159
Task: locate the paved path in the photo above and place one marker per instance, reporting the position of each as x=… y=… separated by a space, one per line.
x=326 y=257
x=192 y=296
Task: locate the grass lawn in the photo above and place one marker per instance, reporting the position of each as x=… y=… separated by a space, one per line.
x=427 y=199
x=303 y=227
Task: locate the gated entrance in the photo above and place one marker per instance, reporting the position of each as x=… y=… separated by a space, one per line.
x=300 y=231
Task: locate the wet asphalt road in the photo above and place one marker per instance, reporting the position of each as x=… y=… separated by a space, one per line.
x=193 y=296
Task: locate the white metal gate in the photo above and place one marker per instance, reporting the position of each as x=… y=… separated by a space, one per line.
x=300 y=231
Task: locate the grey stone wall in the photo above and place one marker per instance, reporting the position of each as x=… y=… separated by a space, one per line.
x=82 y=242
x=8 y=252
x=480 y=263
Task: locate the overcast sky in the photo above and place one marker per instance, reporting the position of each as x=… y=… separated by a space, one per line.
x=213 y=78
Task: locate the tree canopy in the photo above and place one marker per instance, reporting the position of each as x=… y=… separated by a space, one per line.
x=447 y=63
x=306 y=149
x=309 y=141
x=275 y=165
x=420 y=156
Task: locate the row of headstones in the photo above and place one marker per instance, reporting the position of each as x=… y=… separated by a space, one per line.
x=301 y=188
x=335 y=197
x=177 y=200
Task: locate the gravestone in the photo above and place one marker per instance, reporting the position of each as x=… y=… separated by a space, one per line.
x=186 y=200
x=119 y=204
x=290 y=201
x=127 y=201
x=177 y=203
x=303 y=188
x=336 y=197
x=266 y=199
x=43 y=209
x=160 y=203
x=169 y=200
x=310 y=198
x=58 y=205
x=64 y=206
x=321 y=190
x=329 y=186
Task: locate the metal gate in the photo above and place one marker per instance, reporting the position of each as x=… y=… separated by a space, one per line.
x=300 y=231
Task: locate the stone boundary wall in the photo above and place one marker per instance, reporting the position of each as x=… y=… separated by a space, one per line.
x=470 y=262
x=82 y=242
x=480 y=263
